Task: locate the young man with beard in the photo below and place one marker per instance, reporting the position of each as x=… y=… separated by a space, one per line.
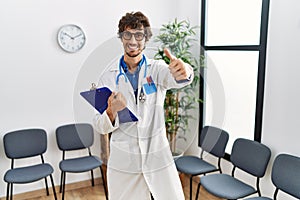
x=140 y=160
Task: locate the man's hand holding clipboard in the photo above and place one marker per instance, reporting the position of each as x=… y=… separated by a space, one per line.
x=114 y=103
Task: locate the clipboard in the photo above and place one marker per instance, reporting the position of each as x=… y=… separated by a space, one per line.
x=98 y=99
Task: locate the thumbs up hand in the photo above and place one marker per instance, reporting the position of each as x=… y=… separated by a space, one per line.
x=179 y=69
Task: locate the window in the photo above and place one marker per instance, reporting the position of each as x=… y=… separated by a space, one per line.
x=233 y=38
x=233 y=22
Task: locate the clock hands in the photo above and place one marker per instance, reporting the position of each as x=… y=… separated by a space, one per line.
x=71 y=36
x=77 y=36
x=68 y=35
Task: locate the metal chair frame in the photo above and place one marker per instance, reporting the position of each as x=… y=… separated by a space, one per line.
x=22 y=144
x=75 y=130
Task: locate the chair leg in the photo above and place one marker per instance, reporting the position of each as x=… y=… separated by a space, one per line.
x=63 y=186
x=191 y=187
x=275 y=194
x=47 y=189
x=104 y=183
x=7 y=191
x=61 y=182
x=11 y=191
x=198 y=188
x=53 y=187
x=92 y=175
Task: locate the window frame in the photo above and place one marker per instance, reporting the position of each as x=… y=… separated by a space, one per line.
x=262 y=50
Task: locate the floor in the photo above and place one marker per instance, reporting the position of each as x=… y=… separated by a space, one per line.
x=97 y=193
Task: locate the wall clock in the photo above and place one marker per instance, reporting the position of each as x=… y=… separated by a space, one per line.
x=71 y=38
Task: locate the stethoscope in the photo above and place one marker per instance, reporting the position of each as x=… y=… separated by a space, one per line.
x=142 y=96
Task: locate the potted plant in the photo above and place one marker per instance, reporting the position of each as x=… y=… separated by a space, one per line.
x=178 y=37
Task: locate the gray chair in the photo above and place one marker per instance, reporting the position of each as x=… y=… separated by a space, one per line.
x=23 y=144
x=285 y=176
x=212 y=140
x=77 y=136
x=249 y=156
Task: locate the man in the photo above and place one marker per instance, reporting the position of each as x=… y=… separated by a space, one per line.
x=140 y=160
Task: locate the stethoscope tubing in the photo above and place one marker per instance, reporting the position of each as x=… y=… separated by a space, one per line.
x=142 y=96
x=121 y=73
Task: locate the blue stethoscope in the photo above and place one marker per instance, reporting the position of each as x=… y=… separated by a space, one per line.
x=142 y=96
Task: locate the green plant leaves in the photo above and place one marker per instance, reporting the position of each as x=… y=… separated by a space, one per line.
x=178 y=37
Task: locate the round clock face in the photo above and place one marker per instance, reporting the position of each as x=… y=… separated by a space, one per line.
x=71 y=38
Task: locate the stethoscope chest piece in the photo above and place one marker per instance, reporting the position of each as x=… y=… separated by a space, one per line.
x=142 y=97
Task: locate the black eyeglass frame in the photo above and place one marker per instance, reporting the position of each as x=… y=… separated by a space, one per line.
x=135 y=35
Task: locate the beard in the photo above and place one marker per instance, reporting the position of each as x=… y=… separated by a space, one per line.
x=133 y=55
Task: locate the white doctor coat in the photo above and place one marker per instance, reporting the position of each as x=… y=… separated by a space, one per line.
x=140 y=158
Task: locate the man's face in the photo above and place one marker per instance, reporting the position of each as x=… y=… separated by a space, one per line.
x=133 y=41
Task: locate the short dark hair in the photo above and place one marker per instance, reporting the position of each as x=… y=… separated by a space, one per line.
x=135 y=20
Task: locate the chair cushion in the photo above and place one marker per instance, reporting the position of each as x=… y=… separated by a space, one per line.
x=193 y=165
x=82 y=164
x=226 y=186
x=28 y=174
x=259 y=198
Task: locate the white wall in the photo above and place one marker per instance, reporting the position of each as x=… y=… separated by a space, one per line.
x=37 y=78
x=282 y=95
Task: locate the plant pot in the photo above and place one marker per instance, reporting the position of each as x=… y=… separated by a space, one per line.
x=178 y=153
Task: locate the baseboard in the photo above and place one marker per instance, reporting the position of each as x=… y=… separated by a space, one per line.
x=42 y=192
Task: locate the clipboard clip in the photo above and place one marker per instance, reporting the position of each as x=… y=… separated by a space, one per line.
x=93 y=86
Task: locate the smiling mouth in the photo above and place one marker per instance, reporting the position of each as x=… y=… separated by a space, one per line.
x=132 y=47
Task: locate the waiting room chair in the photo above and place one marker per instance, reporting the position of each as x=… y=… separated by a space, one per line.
x=285 y=176
x=77 y=136
x=247 y=155
x=212 y=140
x=23 y=144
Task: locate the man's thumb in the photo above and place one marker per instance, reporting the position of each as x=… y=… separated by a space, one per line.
x=168 y=54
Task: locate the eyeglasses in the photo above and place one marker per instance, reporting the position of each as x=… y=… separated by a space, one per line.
x=138 y=35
